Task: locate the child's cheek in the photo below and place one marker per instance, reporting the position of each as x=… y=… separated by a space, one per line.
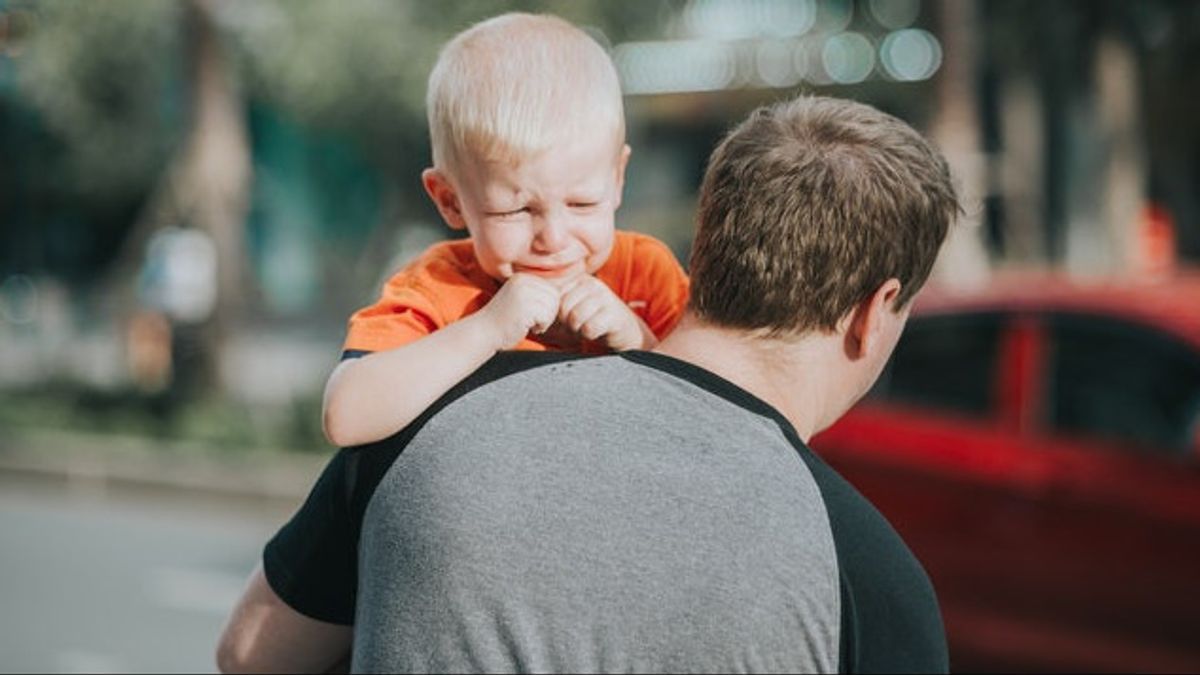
x=599 y=250
x=504 y=247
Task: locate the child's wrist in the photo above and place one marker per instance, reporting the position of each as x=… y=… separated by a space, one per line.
x=482 y=322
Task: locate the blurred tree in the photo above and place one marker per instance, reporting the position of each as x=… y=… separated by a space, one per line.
x=208 y=184
x=100 y=75
x=1094 y=123
x=95 y=103
x=956 y=129
x=361 y=67
x=103 y=78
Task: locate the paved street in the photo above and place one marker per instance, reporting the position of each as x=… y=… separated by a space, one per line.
x=97 y=581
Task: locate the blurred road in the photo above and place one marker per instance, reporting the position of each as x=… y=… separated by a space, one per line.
x=98 y=581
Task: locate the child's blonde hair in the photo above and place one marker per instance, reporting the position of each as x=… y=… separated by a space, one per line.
x=516 y=84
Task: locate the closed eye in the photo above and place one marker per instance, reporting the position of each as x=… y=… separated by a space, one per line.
x=584 y=205
x=508 y=214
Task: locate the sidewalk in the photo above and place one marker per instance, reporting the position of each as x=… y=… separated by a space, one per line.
x=99 y=461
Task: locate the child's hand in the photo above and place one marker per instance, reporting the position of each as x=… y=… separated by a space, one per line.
x=590 y=308
x=525 y=303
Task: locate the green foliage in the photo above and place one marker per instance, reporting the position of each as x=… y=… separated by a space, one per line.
x=108 y=78
x=344 y=66
x=104 y=78
x=210 y=422
x=361 y=67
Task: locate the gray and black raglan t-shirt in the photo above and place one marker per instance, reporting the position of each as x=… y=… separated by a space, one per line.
x=620 y=513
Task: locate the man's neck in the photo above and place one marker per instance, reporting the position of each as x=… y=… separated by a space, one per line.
x=795 y=376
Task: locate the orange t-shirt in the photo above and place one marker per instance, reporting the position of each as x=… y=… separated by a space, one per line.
x=446 y=284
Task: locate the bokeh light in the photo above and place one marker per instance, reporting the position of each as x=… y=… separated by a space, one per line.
x=910 y=55
x=849 y=58
x=737 y=19
x=675 y=66
x=776 y=63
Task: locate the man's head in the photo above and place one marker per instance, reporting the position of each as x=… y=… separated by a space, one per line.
x=528 y=135
x=824 y=216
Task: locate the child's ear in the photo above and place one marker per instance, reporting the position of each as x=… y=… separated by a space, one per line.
x=445 y=197
x=622 y=162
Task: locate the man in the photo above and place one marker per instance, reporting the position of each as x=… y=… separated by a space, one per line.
x=650 y=511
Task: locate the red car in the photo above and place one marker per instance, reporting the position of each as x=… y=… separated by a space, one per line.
x=1037 y=444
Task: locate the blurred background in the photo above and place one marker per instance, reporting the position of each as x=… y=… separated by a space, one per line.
x=195 y=195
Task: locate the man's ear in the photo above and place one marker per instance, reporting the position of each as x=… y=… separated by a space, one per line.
x=445 y=197
x=622 y=162
x=864 y=327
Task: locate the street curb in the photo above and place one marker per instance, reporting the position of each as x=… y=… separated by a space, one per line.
x=179 y=467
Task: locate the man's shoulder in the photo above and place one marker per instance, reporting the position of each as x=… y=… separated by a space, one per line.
x=500 y=366
x=508 y=363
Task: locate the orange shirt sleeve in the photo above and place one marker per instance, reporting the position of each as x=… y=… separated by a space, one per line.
x=435 y=290
x=655 y=286
x=403 y=313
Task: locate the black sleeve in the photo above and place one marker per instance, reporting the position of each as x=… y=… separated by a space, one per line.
x=312 y=562
x=891 y=622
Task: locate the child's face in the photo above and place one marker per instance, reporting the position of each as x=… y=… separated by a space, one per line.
x=550 y=214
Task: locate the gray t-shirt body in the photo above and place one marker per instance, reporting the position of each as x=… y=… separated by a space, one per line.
x=605 y=514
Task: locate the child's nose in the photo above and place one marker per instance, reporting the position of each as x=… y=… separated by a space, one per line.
x=552 y=233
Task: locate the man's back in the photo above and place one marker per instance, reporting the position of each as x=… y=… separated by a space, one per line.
x=665 y=534
x=629 y=513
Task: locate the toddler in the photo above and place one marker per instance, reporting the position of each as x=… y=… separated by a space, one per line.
x=528 y=137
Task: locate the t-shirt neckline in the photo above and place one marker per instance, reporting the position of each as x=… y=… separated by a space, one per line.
x=712 y=383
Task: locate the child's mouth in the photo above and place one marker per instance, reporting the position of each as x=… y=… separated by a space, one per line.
x=546 y=272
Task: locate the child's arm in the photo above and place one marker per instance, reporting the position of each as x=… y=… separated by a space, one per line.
x=590 y=308
x=373 y=397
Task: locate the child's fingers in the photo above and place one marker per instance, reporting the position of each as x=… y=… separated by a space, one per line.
x=598 y=325
x=618 y=325
x=585 y=310
x=544 y=311
x=585 y=289
x=572 y=294
x=612 y=324
x=530 y=301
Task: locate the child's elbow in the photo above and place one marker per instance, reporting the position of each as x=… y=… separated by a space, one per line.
x=335 y=421
x=337 y=409
x=237 y=652
x=335 y=426
x=232 y=658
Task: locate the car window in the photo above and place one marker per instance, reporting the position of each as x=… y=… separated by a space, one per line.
x=945 y=363
x=1123 y=382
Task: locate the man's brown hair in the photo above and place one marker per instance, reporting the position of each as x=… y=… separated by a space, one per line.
x=808 y=207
